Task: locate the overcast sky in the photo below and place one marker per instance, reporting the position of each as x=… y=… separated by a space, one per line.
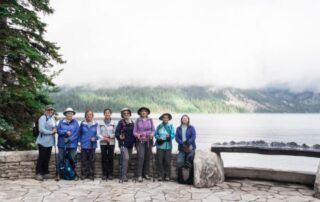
x=238 y=43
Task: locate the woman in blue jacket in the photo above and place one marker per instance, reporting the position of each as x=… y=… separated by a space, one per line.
x=185 y=137
x=88 y=143
x=164 y=136
x=68 y=138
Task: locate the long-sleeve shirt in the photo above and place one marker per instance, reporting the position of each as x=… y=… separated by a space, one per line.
x=46 y=124
x=107 y=129
x=161 y=133
x=86 y=132
x=143 y=129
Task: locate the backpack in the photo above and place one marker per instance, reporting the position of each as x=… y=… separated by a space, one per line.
x=185 y=173
x=66 y=169
x=35 y=129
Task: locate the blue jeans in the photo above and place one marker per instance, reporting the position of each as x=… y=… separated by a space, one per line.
x=185 y=156
x=71 y=153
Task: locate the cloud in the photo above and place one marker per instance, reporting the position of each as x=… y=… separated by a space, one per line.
x=244 y=44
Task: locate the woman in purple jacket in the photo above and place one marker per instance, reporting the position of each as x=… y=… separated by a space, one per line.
x=185 y=137
x=144 y=132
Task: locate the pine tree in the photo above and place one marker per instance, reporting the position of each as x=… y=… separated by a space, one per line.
x=26 y=61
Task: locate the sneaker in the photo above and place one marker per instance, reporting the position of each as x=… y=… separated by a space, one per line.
x=104 y=178
x=125 y=179
x=76 y=178
x=167 y=179
x=139 y=179
x=57 y=178
x=160 y=179
x=147 y=177
x=92 y=178
x=82 y=177
x=110 y=178
x=39 y=177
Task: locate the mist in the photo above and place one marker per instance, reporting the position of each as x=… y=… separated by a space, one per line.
x=242 y=44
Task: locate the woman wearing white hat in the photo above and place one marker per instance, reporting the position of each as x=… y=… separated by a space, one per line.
x=68 y=137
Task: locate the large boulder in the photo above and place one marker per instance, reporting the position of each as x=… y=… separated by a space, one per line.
x=317 y=184
x=208 y=169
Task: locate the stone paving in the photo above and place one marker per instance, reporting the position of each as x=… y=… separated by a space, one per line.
x=232 y=190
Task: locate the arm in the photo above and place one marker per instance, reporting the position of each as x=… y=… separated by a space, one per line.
x=156 y=135
x=172 y=132
x=135 y=129
x=118 y=130
x=152 y=128
x=193 y=135
x=42 y=126
x=178 y=139
x=113 y=132
x=99 y=131
x=75 y=133
x=61 y=132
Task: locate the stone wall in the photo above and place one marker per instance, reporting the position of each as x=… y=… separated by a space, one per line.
x=21 y=164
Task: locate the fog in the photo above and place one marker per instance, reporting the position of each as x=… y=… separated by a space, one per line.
x=243 y=44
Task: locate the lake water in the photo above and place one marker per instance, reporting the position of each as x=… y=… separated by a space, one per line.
x=212 y=128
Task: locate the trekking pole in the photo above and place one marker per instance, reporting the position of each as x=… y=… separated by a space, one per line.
x=121 y=164
x=152 y=165
x=55 y=157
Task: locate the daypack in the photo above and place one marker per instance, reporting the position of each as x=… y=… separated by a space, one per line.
x=35 y=129
x=66 y=169
x=185 y=173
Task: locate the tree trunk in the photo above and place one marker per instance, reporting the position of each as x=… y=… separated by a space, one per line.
x=3 y=25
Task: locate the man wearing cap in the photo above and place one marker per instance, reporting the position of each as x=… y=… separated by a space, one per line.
x=144 y=132
x=45 y=141
x=68 y=137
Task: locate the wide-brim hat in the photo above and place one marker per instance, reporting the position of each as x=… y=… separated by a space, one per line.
x=143 y=108
x=165 y=114
x=49 y=107
x=69 y=109
x=125 y=110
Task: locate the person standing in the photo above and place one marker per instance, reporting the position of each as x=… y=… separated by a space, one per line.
x=164 y=135
x=106 y=133
x=68 y=136
x=126 y=139
x=185 y=137
x=88 y=144
x=144 y=132
x=45 y=141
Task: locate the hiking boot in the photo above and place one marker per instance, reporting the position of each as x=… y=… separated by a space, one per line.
x=39 y=177
x=76 y=178
x=139 y=179
x=46 y=176
x=147 y=177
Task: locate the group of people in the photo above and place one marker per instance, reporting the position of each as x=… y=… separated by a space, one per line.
x=140 y=134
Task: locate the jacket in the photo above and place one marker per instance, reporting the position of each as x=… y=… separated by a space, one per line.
x=190 y=135
x=86 y=132
x=161 y=133
x=127 y=130
x=107 y=130
x=63 y=127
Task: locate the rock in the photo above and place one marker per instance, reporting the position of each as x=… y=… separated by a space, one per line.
x=208 y=169
x=317 y=184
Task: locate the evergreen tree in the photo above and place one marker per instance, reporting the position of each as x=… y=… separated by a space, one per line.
x=26 y=61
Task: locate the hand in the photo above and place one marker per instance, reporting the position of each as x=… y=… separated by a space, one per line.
x=93 y=139
x=54 y=130
x=168 y=137
x=79 y=148
x=65 y=140
x=151 y=137
x=69 y=133
x=122 y=137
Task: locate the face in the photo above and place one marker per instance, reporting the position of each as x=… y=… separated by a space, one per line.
x=185 y=120
x=107 y=114
x=126 y=115
x=69 y=115
x=89 y=116
x=50 y=112
x=144 y=113
x=165 y=119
